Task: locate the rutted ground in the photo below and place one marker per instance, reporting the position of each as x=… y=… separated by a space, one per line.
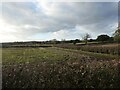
x=57 y=68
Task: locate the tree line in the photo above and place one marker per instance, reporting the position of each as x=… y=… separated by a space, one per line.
x=103 y=38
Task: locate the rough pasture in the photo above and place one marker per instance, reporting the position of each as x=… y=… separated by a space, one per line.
x=57 y=68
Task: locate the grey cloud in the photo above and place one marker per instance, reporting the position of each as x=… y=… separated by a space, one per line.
x=96 y=17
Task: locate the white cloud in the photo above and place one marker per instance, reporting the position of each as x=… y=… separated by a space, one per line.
x=62 y=34
x=6 y=31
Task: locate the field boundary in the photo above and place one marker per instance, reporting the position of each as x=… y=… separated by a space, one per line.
x=92 y=54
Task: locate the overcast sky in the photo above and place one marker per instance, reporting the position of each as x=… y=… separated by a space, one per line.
x=21 y=21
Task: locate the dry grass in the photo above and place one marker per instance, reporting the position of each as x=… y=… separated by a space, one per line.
x=57 y=68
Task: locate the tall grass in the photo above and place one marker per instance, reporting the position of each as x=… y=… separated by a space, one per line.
x=57 y=68
x=113 y=49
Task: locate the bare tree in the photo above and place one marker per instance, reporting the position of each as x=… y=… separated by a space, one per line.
x=54 y=41
x=63 y=40
x=85 y=37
